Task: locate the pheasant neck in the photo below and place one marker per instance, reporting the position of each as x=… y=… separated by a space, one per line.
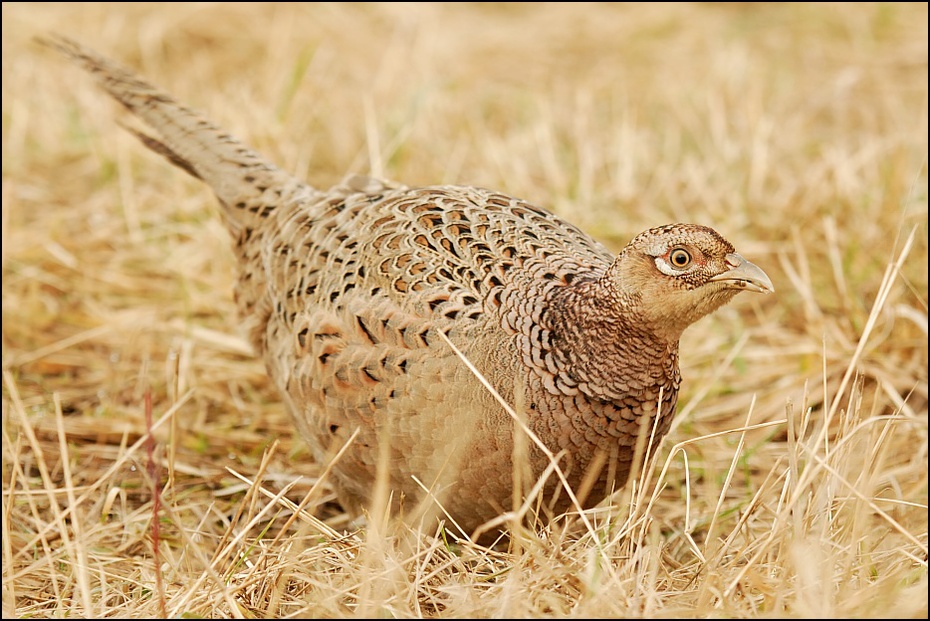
x=601 y=346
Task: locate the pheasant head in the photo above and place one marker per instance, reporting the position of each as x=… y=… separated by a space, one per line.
x=671 y=276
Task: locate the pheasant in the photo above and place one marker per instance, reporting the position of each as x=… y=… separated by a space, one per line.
x=388 y=317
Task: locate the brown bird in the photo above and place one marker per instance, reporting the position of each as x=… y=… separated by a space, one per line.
x=356 y=294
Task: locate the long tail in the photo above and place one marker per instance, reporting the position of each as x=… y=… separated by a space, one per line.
x=240 y=177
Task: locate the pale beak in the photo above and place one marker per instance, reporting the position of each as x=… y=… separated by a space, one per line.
x=744 y=275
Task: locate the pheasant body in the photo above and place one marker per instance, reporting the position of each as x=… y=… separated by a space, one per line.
x=351 y=293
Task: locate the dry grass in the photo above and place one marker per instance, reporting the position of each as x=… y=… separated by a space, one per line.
x=795 y=480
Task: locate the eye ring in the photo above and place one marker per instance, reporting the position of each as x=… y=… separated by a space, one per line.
x=679 y=258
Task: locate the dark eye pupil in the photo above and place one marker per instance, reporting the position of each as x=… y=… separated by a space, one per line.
x=680 y=257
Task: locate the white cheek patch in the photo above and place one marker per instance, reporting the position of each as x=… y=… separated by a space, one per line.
x=663 y=266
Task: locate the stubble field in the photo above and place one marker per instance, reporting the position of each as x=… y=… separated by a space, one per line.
x=794 y=480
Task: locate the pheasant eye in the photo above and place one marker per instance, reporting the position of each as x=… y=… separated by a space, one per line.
x=680 y=257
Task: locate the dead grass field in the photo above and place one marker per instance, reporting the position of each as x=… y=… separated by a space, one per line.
x=794 y=482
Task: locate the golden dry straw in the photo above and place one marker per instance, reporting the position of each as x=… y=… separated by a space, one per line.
x=794 y=480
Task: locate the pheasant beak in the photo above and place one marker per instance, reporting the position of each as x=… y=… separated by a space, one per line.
x=744 y=275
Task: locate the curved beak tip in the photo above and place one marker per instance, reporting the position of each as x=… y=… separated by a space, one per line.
x=745 y=276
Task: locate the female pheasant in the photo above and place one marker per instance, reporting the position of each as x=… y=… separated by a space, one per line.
x=355 y=296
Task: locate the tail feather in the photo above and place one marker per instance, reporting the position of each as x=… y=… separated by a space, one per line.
x=237 y=174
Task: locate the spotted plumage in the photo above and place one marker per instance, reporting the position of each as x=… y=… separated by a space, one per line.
x=348 y=293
